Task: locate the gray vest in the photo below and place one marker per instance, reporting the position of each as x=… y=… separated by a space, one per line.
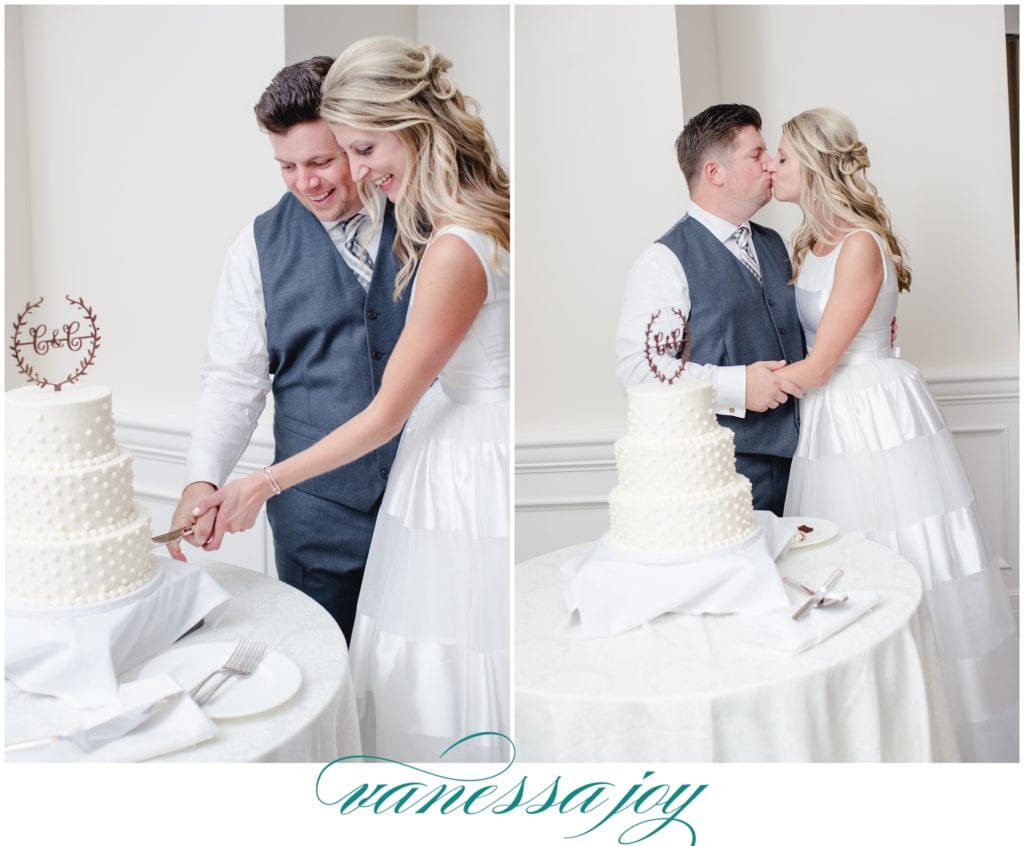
x=737 y=320
x=329 y=341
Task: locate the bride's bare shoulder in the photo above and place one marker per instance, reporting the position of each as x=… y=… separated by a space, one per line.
x=860 y=256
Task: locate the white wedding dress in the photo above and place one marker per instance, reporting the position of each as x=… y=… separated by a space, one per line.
x=875 y=456
x=430 y=650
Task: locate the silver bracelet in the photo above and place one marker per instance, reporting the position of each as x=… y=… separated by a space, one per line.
x=272 y=481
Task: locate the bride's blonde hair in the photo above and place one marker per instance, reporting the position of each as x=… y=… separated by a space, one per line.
x=835 y=189
x=454 y=173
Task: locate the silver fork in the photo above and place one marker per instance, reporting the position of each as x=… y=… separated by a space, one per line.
x=240 y=647
x=243 y=661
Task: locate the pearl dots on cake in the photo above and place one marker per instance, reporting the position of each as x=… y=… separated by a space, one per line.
x=678 y=490
x=72 y=522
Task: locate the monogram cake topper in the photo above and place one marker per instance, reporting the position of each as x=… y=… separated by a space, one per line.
x=73 y=336
x=671 y=340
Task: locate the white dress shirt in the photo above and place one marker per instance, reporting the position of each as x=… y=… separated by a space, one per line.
x=657 y=281
x=236 y=371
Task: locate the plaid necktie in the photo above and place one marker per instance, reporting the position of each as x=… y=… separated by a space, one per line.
x=742 y=238
x=355 y=254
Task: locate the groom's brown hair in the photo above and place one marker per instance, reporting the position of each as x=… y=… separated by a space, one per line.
x=711 y=133
x=293 y=96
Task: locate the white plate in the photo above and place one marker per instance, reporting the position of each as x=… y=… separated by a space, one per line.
x=275 y=680
x=823 y=530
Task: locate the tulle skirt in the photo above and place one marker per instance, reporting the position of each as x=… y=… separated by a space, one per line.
x=430 y=649
x=875 y=456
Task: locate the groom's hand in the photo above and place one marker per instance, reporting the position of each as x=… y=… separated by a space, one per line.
x=766 y=390
x=183 y=516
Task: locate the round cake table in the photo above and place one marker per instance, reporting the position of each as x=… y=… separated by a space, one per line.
x=317 y=724
x=706 y=688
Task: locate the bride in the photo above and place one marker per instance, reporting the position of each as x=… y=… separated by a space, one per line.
x=874 y=453
x=429 y=651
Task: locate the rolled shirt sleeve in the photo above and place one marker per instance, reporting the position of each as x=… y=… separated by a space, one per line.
x=236 y=370
x=657 y=281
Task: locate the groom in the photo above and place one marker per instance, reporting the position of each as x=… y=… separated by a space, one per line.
x=304 y=308
x=729 y=277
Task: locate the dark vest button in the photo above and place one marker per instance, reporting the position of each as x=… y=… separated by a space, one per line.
x=373 y=314
x=782 y=331
x=771 y=302
x=377 y=356
x=385 y=472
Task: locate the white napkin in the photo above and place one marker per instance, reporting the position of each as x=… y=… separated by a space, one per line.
x=613 y=593
x=781 y=633
x=179 y=724
x=77 y=654
x=777 y=532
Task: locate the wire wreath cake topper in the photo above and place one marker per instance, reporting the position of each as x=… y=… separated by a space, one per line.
x=672 y=340
x=74 y=336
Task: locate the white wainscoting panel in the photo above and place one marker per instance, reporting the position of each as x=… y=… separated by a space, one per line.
x=158 y=444
x=563 y=481
x=561 y=494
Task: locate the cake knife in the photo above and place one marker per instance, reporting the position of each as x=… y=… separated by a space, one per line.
x=176 y=535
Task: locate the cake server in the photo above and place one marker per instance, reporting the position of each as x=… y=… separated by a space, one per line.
x=830 y=598
x=176 y=535
x=90 y=738
x=819 y=594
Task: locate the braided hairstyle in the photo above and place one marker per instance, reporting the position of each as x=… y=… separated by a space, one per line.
x=454 y=173
x=835 y=188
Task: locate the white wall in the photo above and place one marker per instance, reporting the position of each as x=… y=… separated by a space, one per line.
x=931 y=105
x=136 y=162
x=17 y=199
x=134 y=158
x=143 y=164
x=596 y=118
x=697 y=31
x=476 y=39
x=133 y=161
x=328 y=30
x=596 y=180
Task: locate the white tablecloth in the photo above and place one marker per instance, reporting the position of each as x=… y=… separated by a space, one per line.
x=318 y=723
x=705 y=688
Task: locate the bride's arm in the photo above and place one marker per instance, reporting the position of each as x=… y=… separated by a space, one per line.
x=858 y=278
x=450 y=289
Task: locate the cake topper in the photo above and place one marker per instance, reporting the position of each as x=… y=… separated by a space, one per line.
x=72 y=336
x=671 y=340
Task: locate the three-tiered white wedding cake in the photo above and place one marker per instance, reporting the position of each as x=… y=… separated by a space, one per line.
x=74 y=535
x=679 y=492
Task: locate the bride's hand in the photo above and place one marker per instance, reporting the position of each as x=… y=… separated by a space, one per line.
x=238 y=504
